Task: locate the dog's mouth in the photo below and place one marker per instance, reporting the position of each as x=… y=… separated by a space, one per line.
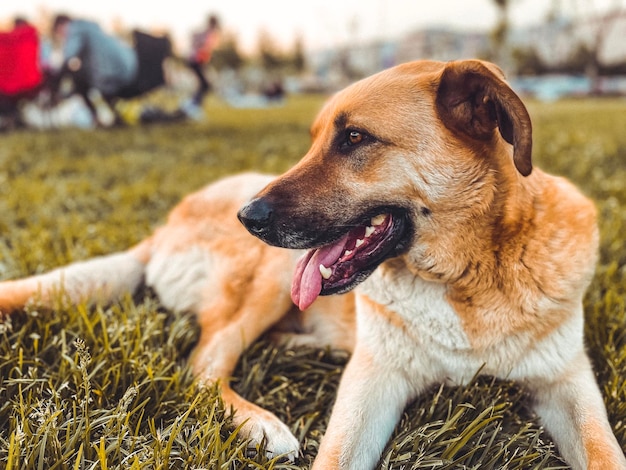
x=339 y=266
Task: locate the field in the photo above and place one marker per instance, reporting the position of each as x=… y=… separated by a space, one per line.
x=108 y=387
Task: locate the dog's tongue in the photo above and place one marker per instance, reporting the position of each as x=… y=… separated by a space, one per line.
x=307 y=278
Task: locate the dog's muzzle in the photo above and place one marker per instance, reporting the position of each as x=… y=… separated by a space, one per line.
x=339 y=256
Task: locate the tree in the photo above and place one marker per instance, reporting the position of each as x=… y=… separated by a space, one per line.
x=527 y=61
x=499 y=35
x=270 y=54
x=298 y=60
x=601 y=25
x=227 y=55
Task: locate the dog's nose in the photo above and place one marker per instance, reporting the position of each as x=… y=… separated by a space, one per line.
x=256 y=216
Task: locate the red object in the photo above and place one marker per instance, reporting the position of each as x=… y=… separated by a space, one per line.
x=20 y=71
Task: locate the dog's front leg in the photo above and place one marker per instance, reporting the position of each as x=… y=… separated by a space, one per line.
x=369 y=403
x=227 y=329
x=573 y=412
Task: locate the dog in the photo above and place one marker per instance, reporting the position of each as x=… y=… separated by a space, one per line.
x=203 y=261
x=419 y=192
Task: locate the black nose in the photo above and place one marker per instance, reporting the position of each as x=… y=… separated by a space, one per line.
x=256 y=216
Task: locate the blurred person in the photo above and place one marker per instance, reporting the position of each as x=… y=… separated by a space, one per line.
x=95 y=60
x=21 y=76
x=203 y=43
x=274 y=91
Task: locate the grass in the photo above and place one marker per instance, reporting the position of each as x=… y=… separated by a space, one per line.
x=109 y=387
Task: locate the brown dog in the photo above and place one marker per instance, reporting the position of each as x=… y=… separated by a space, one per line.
x=419 y=188
x=203 y=261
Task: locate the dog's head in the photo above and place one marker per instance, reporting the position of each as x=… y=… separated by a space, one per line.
x=391 y=156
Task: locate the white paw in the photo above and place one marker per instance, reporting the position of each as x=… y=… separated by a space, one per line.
x=278 y=438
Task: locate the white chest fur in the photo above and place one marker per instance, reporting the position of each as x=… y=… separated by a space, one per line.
x=430 y=344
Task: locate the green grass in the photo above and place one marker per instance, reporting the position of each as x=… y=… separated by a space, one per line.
x=109 y=387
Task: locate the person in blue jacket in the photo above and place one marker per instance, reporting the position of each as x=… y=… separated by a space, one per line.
x=94 y=60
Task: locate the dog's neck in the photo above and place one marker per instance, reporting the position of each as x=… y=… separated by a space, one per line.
x=478 y=226
x=482 y=262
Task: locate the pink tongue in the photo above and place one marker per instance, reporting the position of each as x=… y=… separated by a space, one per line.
x=307 y=279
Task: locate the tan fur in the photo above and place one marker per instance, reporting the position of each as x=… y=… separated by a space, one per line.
x=599 y=453
x=496 y=262
x=15 y=294
x=204 y=261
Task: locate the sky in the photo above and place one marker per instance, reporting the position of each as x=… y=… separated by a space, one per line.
x=320 y=23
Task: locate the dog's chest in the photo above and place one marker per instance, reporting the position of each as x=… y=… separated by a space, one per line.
x=416 y=330
x=427 y=338
x=427 y=318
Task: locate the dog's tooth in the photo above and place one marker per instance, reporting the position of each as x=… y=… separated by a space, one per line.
x=325 y=272
x=379 y=219
x=368 y=231
x=359 y=242
x=348 y=253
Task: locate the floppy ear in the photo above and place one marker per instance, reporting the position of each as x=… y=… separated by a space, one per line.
x=473 y=100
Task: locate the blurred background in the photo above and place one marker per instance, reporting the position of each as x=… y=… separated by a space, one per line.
x=267 y=50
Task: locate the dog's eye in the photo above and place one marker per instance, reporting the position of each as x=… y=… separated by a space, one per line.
x=355 y=137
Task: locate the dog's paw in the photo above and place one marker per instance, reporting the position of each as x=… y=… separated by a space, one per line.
x=268 y=431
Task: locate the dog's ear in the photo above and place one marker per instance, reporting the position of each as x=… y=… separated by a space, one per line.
x=473 y=99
